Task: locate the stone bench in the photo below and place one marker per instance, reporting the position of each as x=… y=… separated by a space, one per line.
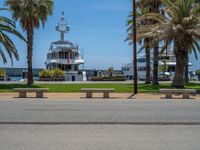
x=89 y=91
x=39 y=92
x=185 y=92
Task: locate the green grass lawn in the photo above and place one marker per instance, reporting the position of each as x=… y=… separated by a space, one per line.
x=121 y=88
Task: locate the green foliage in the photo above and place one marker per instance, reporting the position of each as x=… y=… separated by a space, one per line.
x=179 y=16
x=198 y=72
x=164 y=67
x=110 y=71
x=45 y=73
x=112 y=78
x=2 y=72
x=54 y=73
x=57 y=73
x=31 y=13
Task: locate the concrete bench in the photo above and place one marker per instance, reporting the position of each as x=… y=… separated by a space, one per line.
x=185 y=92
x=89 y=91
x=39 y=92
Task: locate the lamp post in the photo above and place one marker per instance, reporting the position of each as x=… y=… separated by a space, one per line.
x=135 y=71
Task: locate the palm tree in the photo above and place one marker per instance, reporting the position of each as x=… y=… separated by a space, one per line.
x=180 y=25
x=187 y=67
x=31 y=14
x=8 y=26
x=142 y=5
x=147 y=6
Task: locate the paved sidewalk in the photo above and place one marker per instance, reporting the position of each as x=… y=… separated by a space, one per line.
x=71 y=96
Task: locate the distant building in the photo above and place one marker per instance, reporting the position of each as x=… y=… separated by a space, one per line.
x=65 y=55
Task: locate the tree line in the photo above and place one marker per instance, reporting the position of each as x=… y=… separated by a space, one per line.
x=161 y=23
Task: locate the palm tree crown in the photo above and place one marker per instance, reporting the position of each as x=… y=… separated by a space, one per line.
x=181 y=17
x=31 y=14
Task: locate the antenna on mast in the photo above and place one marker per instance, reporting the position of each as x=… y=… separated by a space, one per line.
x=62 y=27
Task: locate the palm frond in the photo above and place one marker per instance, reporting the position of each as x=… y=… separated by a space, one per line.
x=8 y=26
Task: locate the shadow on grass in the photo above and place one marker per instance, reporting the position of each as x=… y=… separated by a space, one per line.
x=9 y=87
x=152 y=88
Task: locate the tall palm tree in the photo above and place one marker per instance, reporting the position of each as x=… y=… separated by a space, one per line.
x=140 y=11
x=143 y=6
x=180 y=25
x=31 y=14
x=6 y=44
x=147 y=6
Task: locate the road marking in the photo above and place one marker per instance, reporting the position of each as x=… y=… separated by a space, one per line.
x=101 y=123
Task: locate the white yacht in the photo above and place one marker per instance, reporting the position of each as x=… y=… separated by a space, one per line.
x=65 y=55
x=166 y=59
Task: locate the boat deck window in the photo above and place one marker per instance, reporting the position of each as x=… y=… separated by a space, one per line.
x=141 y=60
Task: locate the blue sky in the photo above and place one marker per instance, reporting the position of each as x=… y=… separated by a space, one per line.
x=98 y=26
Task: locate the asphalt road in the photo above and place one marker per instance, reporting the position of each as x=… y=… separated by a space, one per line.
x=100 y=112
x=99 y=125
x=99 y=137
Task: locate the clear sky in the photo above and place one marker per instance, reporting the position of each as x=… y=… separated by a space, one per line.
x=97 y=26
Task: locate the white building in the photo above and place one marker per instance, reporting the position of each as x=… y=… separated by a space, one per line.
x=65 y=55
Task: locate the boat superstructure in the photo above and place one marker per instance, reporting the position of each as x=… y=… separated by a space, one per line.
x=166 y=59
x=65 y=55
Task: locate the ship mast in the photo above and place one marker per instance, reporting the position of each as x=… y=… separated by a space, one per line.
x=62 y=27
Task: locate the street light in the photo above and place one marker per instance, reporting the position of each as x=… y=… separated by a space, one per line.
x=135 y=83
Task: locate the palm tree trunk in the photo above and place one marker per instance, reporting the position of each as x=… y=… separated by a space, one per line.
x=30 y=33
x=181 y=44
x=187 y=70
x=155 y=9
x=148 y=65
x=155 y=67
x=178 y=80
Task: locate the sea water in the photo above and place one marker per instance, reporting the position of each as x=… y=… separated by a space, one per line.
x=18 y=78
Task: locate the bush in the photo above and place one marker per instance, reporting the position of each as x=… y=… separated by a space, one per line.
x=198 y=73
x=110 y=71
x=115 y=78
x=49 y=75
x=45 y=73
x=2 y=73
x=57 y=73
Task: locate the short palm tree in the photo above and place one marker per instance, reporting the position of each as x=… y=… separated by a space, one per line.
x=181 y=26
x=31 y=14
x=8 y=26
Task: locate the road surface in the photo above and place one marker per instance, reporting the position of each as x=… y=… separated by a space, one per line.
x=100 y=111
x=99 y=125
